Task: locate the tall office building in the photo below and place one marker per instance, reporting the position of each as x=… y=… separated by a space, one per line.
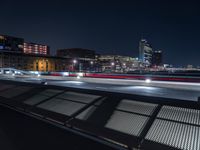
x=157 y=58
x=11 y=44
x=34 y=48
x=145 y=52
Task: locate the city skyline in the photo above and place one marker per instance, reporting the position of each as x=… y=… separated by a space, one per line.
x=41 y=49
x=108 y=27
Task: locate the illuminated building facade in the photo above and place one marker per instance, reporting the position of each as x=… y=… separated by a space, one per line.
x=32 y=62
x=17 y=45
x=117 y=63
x=145 y=52
x=34 y=48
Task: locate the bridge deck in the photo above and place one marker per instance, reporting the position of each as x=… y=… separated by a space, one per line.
x=120 y=120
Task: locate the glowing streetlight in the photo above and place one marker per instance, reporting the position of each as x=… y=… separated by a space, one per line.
x=74 y=64
x=74 y=61
x=148 y=80
x=112 y=63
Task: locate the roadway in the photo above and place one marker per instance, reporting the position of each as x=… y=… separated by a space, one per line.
x=166 y=89
x=147 y=90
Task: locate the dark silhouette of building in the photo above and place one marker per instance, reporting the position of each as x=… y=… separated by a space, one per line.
x=78 y=53
x=157 y=58
x=11 y=44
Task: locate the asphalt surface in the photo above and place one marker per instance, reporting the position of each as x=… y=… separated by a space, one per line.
x=174 y=90
x=20 y=132
x=182 y=94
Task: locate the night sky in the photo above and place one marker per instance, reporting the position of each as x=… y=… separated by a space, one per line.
x=109 y=27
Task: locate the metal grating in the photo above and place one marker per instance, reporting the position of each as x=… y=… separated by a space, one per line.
x=127 y=123
x=35 y=99
x=136 y=107
x=85 y=98
x=61 y=106
x=50 y=92
x=86 y=113
x=180 y=114
x=176 y=135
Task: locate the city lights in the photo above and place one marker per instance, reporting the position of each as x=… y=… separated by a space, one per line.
x=112 y=63
x=74 y=61
x=100 y=75
x=80 y=74
x=148 y=80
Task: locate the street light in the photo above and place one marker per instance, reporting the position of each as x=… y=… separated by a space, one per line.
x=112 y=66
x=148 y=80
x=91 y=65
x=74 y=61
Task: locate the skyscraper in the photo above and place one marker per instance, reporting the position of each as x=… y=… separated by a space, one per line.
x=145 y=52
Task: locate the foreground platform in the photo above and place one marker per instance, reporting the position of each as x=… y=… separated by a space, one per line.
x=112 y=120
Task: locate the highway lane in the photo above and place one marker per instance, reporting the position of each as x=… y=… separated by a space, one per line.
x=165 y=84
x=190 y=95
x=176 y=90
x=162 y=84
